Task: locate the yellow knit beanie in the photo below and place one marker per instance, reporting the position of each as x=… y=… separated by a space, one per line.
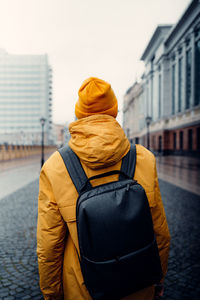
x=96 y=97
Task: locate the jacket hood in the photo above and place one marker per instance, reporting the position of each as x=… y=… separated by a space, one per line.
x=98 y=140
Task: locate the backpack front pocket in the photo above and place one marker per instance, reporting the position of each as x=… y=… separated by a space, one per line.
x=119 y=274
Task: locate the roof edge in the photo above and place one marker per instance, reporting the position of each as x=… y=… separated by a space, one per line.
x=155 y=35
x=186 y=12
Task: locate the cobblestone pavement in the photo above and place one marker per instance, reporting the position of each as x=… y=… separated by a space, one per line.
x=19 y=273
x=181 y=171
x=183 y=214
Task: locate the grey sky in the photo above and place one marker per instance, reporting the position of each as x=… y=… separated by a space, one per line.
x=85 y=38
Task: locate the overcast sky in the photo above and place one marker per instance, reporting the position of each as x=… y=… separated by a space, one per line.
x=83 y=38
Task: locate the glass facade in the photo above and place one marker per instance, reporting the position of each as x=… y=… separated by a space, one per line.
x=10 y=91
x=10 y=84
x=180 y=84
x=25 y=87
x=15 y=108
x=18 y=78
x=188 y=78
x=11 y=72
x=197 y=73
x=173 y=88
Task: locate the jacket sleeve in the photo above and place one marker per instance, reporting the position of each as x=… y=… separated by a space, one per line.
x=51 y=233
x=160 y=226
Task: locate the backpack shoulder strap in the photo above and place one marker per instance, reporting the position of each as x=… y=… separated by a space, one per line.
x=129 y=162
x=74 y=167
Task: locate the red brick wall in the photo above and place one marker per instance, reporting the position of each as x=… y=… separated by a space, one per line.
x=168 y=139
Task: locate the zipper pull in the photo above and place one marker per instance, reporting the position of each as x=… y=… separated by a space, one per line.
x=128 y=187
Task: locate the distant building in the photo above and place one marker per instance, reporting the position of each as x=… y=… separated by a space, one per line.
x=25 y=98
x=171 y=86
x=62 y=134
x=133 y=120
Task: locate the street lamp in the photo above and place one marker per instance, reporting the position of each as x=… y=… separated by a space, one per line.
x=148 y=122
x=42 y=121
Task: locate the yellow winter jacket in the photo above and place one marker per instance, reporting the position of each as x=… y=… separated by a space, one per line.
x=100 y=143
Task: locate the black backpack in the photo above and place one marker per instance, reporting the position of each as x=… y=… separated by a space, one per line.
x=118 y=249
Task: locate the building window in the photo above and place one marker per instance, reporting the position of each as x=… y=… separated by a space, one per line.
x=187 y=41
x=179 y=50
x=136 y=140
x=197 y=73
x=152 y=62
x=188 y=78
x=147 y=99
x=190 y=139
x=152 y=97
x=6 y=146
x=181 y=140
x=173 y=88
x=180 y=82
x=152 y=84
x=197 y=31
x=174 y=136
x=198 y=138
x=159 y=96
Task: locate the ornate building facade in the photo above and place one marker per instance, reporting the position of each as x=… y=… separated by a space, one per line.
x=171 y=87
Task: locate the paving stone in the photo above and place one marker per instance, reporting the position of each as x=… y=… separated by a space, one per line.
x=3 y=294
x=19 y=290
x=39 y=297
x=19 y=277
x=18 y=220
x=12 y=292
x=182 y=210
x=8 y=283
x=13 y=287
x=3 y=290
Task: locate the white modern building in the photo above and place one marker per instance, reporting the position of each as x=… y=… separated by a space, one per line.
x=171 y=86
x=25 y=98
x=133 y=112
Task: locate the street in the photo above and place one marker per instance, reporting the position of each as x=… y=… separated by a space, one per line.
x=18 y=218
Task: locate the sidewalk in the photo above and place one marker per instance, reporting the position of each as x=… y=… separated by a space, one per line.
x=181 y=171
x=14 y=174
x=22 y=161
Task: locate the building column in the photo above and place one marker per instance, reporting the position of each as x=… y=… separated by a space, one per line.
x=193 y=69
x=176 y=80
x=183 y=104
x=152 y=95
